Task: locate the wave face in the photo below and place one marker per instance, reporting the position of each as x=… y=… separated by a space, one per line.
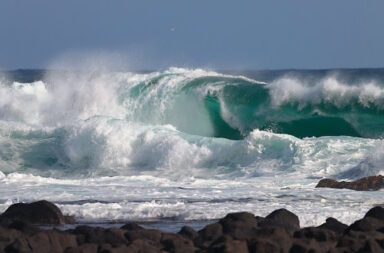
x=66 y=135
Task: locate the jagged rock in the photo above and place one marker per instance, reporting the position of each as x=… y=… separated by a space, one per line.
x=318 y=234
x=363 y=184
x=40 y=212
x=366 y=224
x=132 y=227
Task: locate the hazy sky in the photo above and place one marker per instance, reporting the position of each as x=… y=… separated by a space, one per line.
x=217 y=34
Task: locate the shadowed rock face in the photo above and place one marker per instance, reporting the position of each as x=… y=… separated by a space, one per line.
x=241 y=232
x=372 y=183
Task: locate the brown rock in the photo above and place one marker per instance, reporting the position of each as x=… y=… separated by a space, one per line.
x=334 y=225
x=226 y=244
x=282 y=218
x=371 y=183
x=188 y=233
x=240 y=226
x=209 y=234
x=40 y=212
x=175 y=243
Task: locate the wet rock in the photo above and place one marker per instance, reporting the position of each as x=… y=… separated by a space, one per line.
x=334 y=225
x=40 y=212
x=282 y=218
x=371 y=183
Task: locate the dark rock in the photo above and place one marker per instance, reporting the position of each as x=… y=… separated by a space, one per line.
x=334 y=225
x=40 y=212
x=175 y=243
x=84 y=248
x=267 y=236
x=18 y=245
x=262 y=245
x=142 y=246
x=226 y=244
x=132 y=227
x=281 y=218
x=113 y=236
x=240 y=226
x=366 y=224
x=318 y=234
x=376 y=212
x=107 y=248
x=363 y=184
x=356 y=241
x=188 y=233
x=209 y=234
x=151 y=235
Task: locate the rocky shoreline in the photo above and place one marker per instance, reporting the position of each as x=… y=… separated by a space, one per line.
x=241 y=232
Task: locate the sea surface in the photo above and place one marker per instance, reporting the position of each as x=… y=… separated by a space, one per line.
x=187 y=146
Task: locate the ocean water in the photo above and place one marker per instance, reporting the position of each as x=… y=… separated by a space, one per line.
x=190 y=145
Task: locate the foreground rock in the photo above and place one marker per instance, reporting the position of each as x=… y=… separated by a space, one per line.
x=372 y=183
x=241 y=232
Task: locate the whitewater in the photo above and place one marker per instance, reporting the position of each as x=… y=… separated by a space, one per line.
x=190 y=145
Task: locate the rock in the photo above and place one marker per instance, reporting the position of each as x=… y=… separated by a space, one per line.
x=142 y=246
x=371 y=183
x=318 y=234
x=226 y=244
x=132 y=227
x=366 y=224
x=376 y=212
x=40 y=212
x=177 y=244
x=282 y=218
x=261 y=245
x=153 y=236
x=84 y=248
x=188 y=233
x=209 y=234
x=113 y=236
x=240 y=226
x=334 y=225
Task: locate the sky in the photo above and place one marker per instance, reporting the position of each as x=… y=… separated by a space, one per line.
x=216 y=34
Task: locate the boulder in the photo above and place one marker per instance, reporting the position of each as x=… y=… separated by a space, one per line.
x=188 y=233
x=226 y=244
x=40 y=212
x=176 y=243
x=209 y=234
x=371 y=183
x=376 y=212
x=281 y=218
x=240 y=226
x=334 y=225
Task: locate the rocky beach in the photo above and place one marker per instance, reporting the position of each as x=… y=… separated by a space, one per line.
x=22 y=230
